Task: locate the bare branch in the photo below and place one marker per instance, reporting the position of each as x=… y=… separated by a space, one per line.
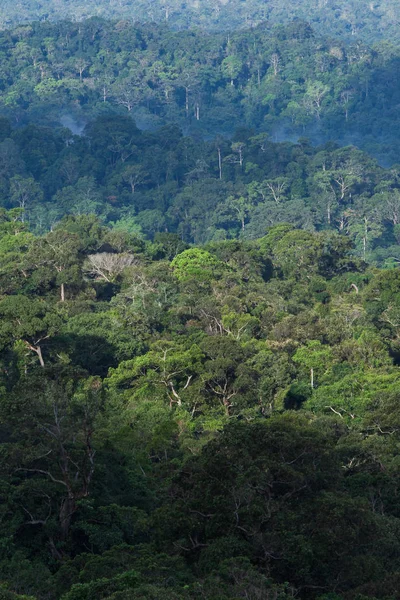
x=47 y=473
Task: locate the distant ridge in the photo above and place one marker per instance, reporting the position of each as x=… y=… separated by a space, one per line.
x=353 y=19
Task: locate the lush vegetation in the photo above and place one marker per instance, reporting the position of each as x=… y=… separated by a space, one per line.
x=196 y=422
x=199 y=302
x=350 y=19
x=161 y=181
x=286 y=81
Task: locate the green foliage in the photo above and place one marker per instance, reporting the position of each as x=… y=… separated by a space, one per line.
x=102 y=587
x=199 y=334
x=158 y=183
x=8 y=595
x=196 y=264
x=171 y=417
x=353 y=20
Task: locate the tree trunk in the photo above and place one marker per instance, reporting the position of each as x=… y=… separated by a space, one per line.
x=62 y=292
x=56 y=554
x=227 y=406
x=38 y=351
x=68 y=508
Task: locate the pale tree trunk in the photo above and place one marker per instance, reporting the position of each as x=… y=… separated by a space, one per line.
x=35 y=347
x=187 y=102
x=37 y=350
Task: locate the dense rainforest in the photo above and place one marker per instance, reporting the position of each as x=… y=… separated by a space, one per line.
x=285 y=81
x=199 y=300
x=255 y=87
x=161 y=181
x=370 y=21
x=179 y=423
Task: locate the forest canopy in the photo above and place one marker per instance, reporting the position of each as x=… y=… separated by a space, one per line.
x=150 y=183
x=287 y=81
x=172 y=415
x=199 y=300
x=157 y=131
x=369 y=21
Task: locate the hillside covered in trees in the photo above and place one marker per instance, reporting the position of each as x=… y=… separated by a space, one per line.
x=183 y=423
x=162 y=181
x=199 y=300
x=286 y=81
x=369 y=21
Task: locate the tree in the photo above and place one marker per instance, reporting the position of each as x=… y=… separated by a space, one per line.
x=313 y=98
x=389 y=203
x=135 y=175
x=54 y=464
x=315 y=359
x=238 y=154
x=196 y=263
x=24 y=192
x=226 y=378
x=127 y=92
x=239 y=208
x=252 y=480
x=108 y=266
x=31 y=322
x=275 y=188
x=80 y=64
x=166 y=371
x=231 y=67
x=59 y=252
